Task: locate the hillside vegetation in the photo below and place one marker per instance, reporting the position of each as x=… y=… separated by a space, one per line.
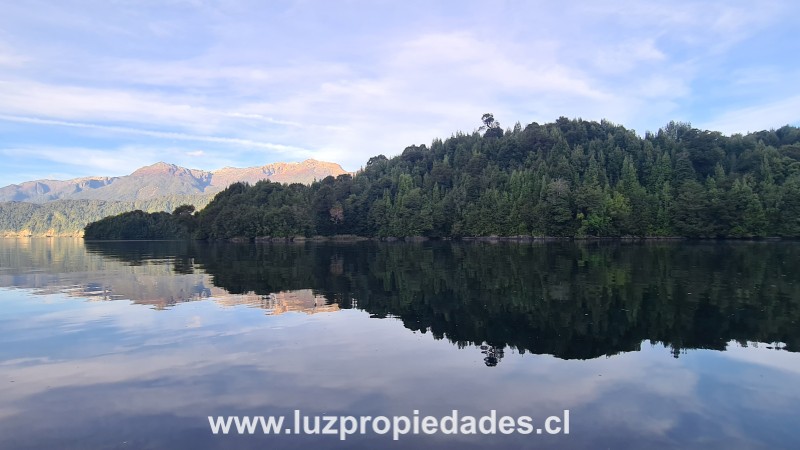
x=69 y=217
x=567 y=178
x=63 y=208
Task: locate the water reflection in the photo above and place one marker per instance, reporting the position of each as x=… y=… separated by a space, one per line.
x=161 y=278
x=573 y=301
x=105 y=374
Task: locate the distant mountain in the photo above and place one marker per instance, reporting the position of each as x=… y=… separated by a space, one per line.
x=164 y=180
x=63 y=208
x=568 y=178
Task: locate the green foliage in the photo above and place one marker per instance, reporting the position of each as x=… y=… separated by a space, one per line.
x=567 y=178
x=69 y=217
x=269 y=209
x=138 y=225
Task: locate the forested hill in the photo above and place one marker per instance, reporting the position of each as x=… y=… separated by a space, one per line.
x=69 y=217
x=567 y=178
x=63 y=208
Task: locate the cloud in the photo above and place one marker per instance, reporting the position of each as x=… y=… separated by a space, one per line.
x=316 y=80
x=66 y=102
x=210 y=71
x=264 y=118
x=11 y=59
x=75 y=162
x=157 y=134
x=627 y=56
x=759 y=117
x=86 y=161
x=487 y=66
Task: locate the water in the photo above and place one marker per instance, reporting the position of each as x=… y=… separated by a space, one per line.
x=656 y=345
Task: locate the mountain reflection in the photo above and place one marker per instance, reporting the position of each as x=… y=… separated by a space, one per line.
x=154 y=278
x=573 y=301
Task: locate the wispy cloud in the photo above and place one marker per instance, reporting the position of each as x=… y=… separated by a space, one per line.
x=157 y=134
x=79 y=161
x=758 y=117
x=252 y=82
x=76 y=162
x=11 y=59
x=264 y=118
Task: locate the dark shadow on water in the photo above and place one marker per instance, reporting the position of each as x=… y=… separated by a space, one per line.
x=573 y=301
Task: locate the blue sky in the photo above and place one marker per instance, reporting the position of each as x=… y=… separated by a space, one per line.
x=104 y=87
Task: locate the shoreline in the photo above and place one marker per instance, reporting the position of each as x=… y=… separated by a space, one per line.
x=420 y=239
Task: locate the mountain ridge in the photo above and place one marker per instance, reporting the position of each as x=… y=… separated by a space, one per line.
x=165 y=179
x=565 y=179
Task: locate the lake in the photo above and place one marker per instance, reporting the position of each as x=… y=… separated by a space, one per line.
x=117 y=345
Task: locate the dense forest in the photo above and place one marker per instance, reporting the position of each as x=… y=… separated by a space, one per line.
x=571 y=300
x=141 y=225
x=69 y=217
x=570 y=178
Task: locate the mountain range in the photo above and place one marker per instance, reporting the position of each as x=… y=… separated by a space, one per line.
x=63 y=208
x=163 y=179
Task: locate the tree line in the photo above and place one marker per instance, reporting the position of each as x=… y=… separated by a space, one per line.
x=69 y=217
x=569 y=178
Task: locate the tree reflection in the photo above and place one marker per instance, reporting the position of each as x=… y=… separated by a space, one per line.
x=493 y=355
x=573 y=301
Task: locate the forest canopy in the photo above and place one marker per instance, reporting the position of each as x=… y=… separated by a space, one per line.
x=569 y=178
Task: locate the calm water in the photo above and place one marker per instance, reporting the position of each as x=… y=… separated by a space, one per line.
x=134 y=345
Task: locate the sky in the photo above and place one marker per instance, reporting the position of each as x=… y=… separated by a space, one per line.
x=104 y=87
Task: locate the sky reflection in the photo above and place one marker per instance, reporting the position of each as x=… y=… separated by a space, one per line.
x=80 y=373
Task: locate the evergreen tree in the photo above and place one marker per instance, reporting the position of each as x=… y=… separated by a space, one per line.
x=567 y=178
